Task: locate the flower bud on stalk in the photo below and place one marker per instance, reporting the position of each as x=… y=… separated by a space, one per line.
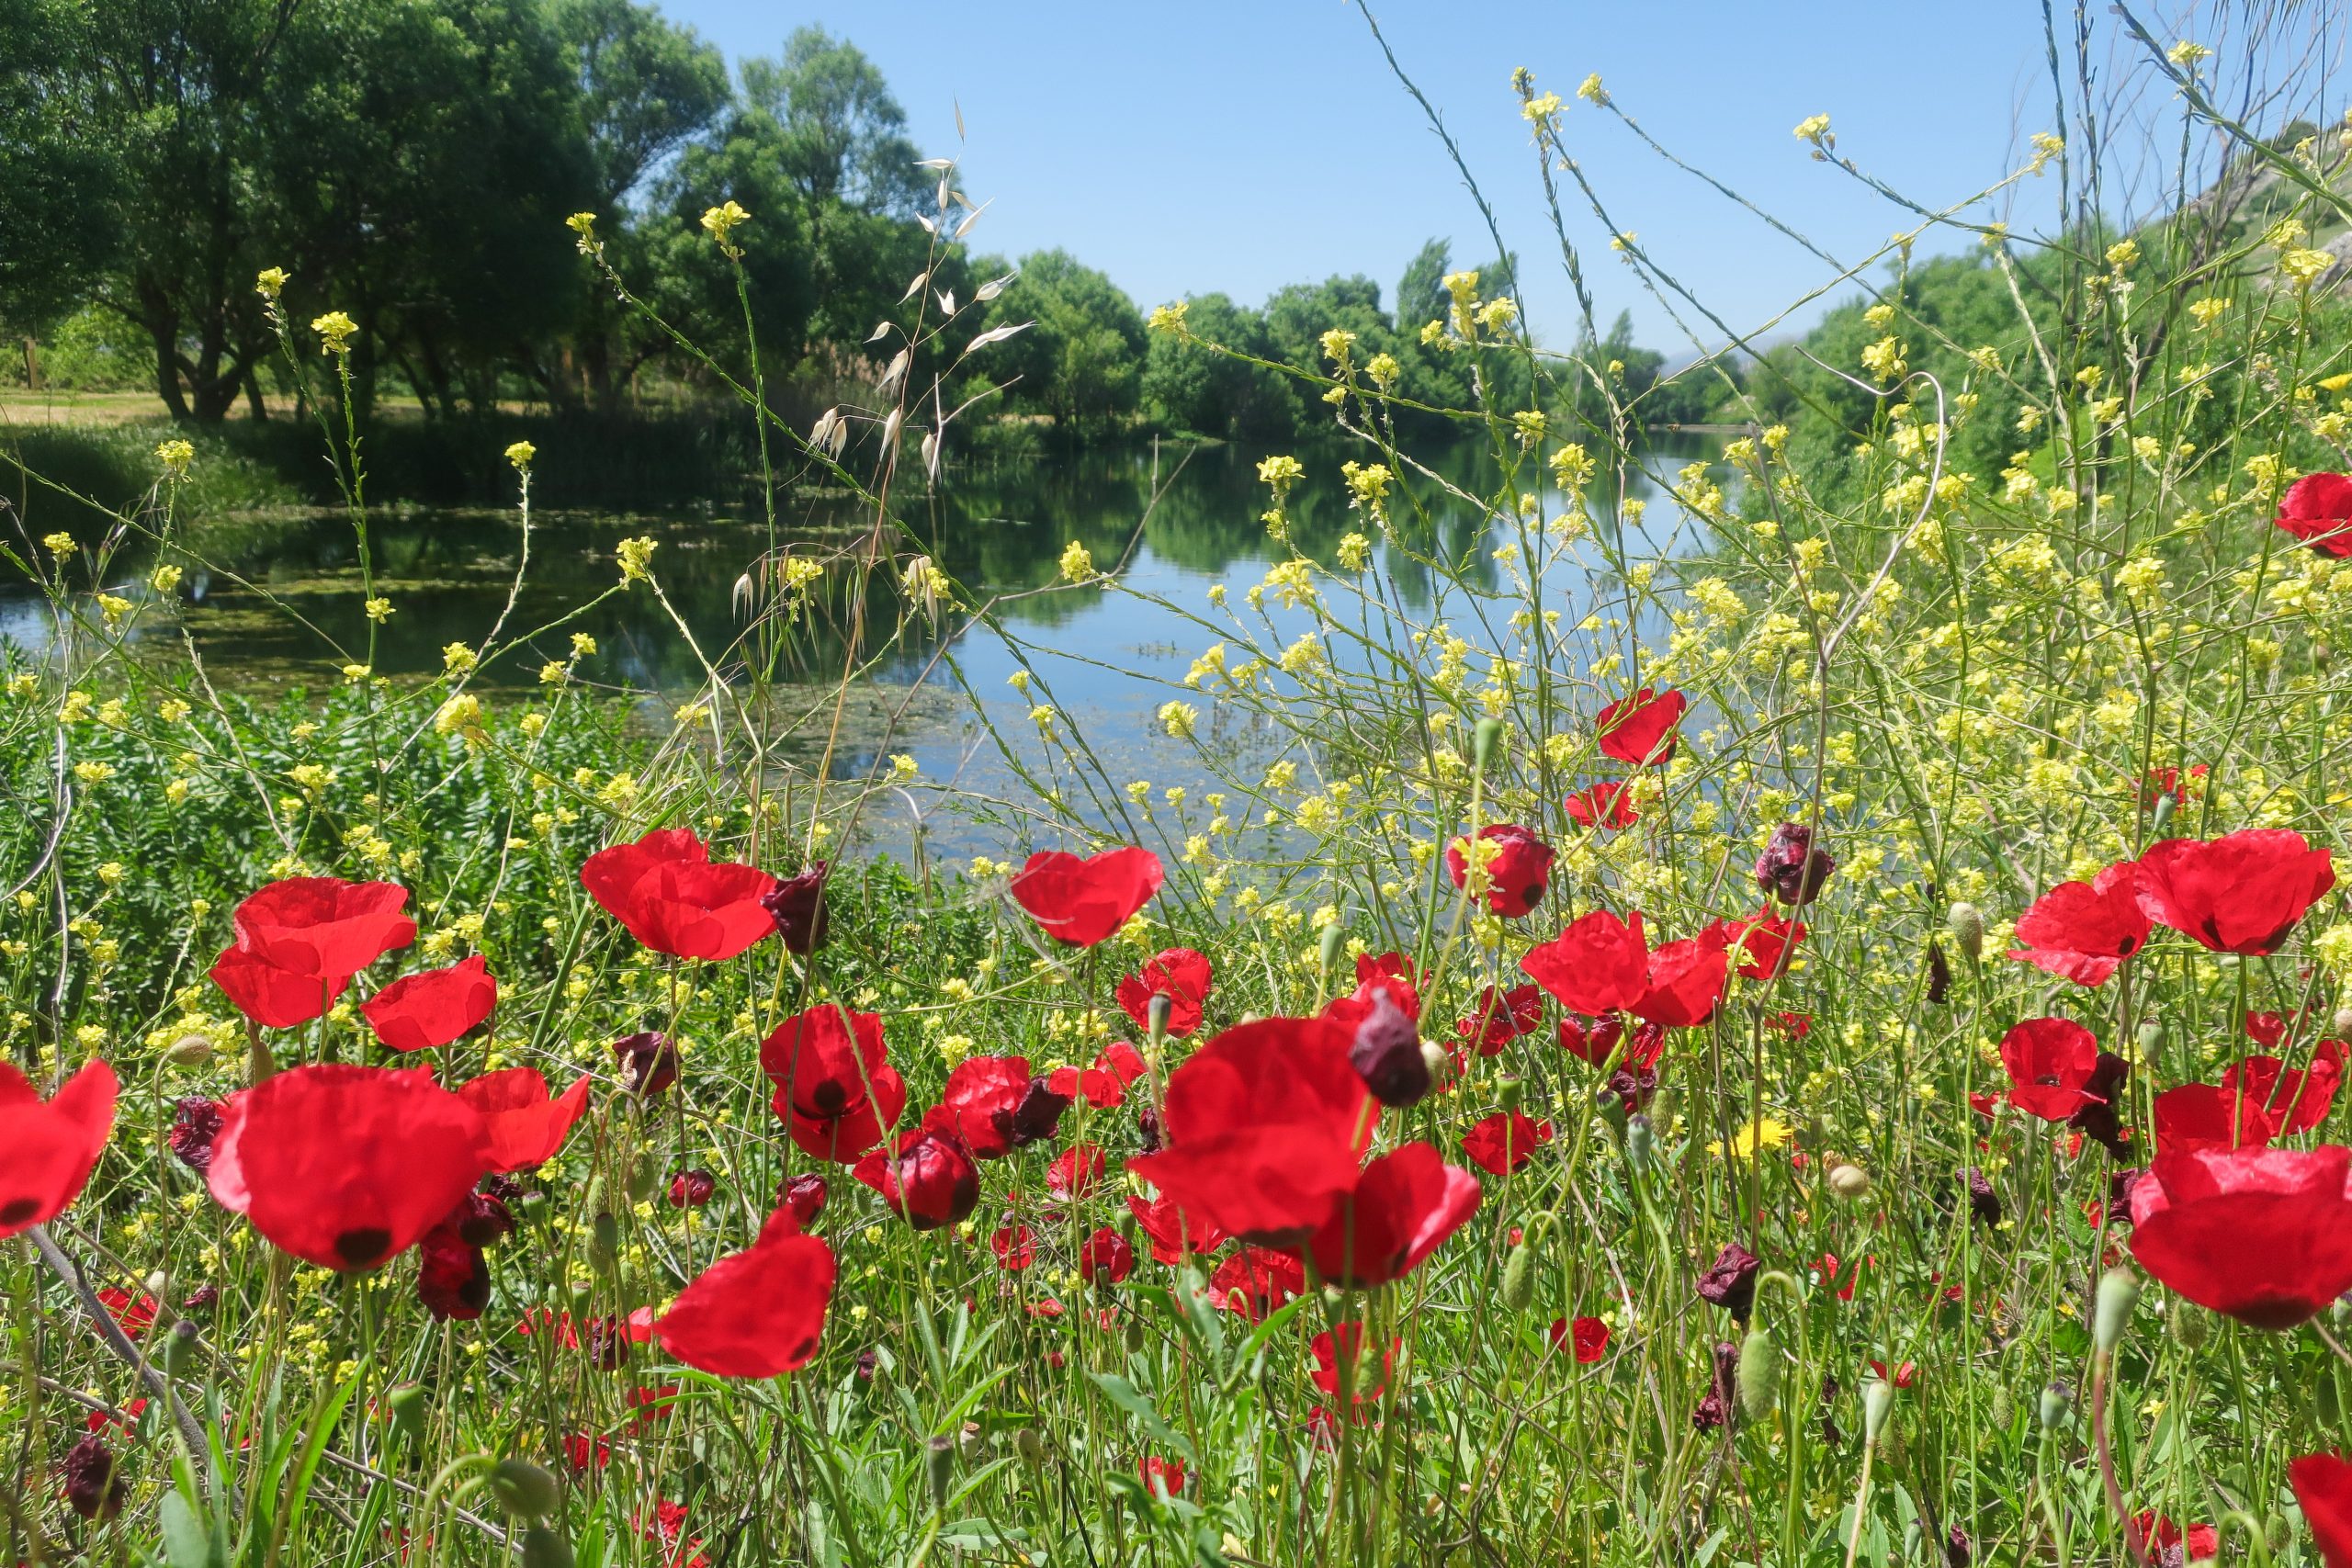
x=1638 y=1145
x=2152 y=1040
x=2161 y=819
x=2191 y=1324
x=1029 y=1444
x=178 y=1355
x=1156 y=1013
x=1878 y=1399
x=939 y=1467
x=1486 y=741
x=1966 y=924
x=2119 y=1294
x=972 y=1443
x=1519 y=1279
x=2057 y=1406
x=545 y=1547
x=1759 y=1374
x=525 y=1490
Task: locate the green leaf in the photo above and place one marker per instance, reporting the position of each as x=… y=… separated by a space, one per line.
x=1124 y=1394
x=188 y=1543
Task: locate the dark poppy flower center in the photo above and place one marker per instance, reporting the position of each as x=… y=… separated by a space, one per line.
x=829 y=1098
x=363 y=1248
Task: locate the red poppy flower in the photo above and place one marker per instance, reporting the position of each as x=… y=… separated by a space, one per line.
x=835 y=1089
x=133 y=1314
x=453 y=1277
x=1076 y=1171
x=2158 y=782
x=797 y=905
x=52 y=1146
x=345 y=1166
x=1598 y=966
x=2199 y=1543
x=1173 y=1232
x=94 y=1487
x=1641 y=729
x=2084 y=931
x=1595 y=1039
x=1162 y=1477
x=1105 y=1258
x=1103 y=1086
x=994 y=1105
x=2050 y=1062
x=2201 y=1116
x=2323 y=1485
x=323 y=926
x=1764 y=940
x=1388 y=973
x=271 y=996
x=804 y=1195
x=670 y=895
x=1182 y=977
x=99 y=1420
x=2240 y=893
x=1603 y=805
x=1686 y=983
x=522 y=1126
x=1586 y=1337
x=1502 y=1017
x=1081 y=899
x=1826 y=1265
x=755 y=1313
x=1408 y=1202
x=2263 y=1235
x=2297 y=1100
x=1257 y=1281
x=929 y=1178
x=1265 y=1126
x=1518 y=869
x=421 y=1011
x=1505 y=1141
x=2317 y=509
x=1346 y=1341
x=668 y=1526
x=1795 y=1025
x=1905 y=1375
x=1014 y=1247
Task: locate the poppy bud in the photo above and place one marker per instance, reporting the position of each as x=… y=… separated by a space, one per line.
x=2005 y=1409
x=1519 y=1279
x=1638 y=1147
x=545 y=1547
x=407 y=1402
x=1611 y=1106
x=1791 y=869
x=1485 y=737
x=972 y=1443
x=1029 y=1444
x=524 y=1490
x=1133 y=1336
x=1759 y=1374
x=605 y=1242
x=1511 y=1091
x=179 y=1348
x=1333 y=934
x=797 y=905
x=2057 y=1406
x=2152 y=1040
x=939 y=1466
x=92 y=1485
x=804 y=1195
x=2191 y=1324
x=2161 y=819
x=1387 y=1055
x=1878 y=1399
x=1850 y=1182
x=2119 y=1293
x=2327 y=1404
x=188 y=1051
x=1967 y=927
x=643 y=1176
x=1157 y=1012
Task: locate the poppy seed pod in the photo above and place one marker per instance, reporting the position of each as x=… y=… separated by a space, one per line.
x=1850 y=1182
x=1157 y=1012
x=545 y=1547
x=407 y=1402
x=2119 y=1294
x=1029 y=1444
x=2057 y=1406
x=2152 y=1040
x=188 y=1051
x=972 y=1443
x=1333 y=935
x=1966 y=924
x=1387 y=1054
x=1759 y=1374
x=1511 y=1091
x=525 y=1490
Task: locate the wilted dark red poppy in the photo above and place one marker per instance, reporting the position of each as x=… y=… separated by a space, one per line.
x=755 y=1313
x=993 y=1105
x=1080 y=899
x=1730 y=1281
x=1162 y=1477
x=2050 y=1062
x=522 y=1126
x=2297 y=1100
x=692 y=1189
x=453 y=1277
x=2084 y=931
x=1265 y=1126
x=1103 y=1086
x=2317 y=509
x=1366 y=1383
x=1173 y=1232
x=94 y=1484
x=1408 y=1202
x=1595 y=1040
x=835 y=1089
x=804 y=1195
x=1517 y=869
x=1105 y=1258
x=2323 y=1485
x=648 y=1062
x=52 y=1146
x=2263 y=1235
x=1015 y=1247
x=421 y=1011
x=1641 y=729
x=1182 y=975
x=797 y=905
x=928 y=1177
x=1076 y=1171
x=1603 y=805
x=1716 y=1406
x=2098 y=1117
x=1502 y=1017
x=2241 y=893
x=1598 y=966
x=672 y=898
x=1686 y=984
x=1764 y=940
x=1384 y=1049
x=196 y=1121
x=1791 y=869
x=1502 y=1142
x=1586 y=1337
x=345 y=1166
x=1258 y=1280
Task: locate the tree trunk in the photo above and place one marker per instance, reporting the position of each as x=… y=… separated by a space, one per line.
x=167 y=371
x=254 y=407
x=32 y=363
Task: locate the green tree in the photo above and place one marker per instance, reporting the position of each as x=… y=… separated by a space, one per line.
x=1083 y=361
x=58 y=182
x=1189 y=385
x=833 y=126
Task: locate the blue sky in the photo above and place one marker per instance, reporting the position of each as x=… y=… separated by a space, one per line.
x=1242 y=144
